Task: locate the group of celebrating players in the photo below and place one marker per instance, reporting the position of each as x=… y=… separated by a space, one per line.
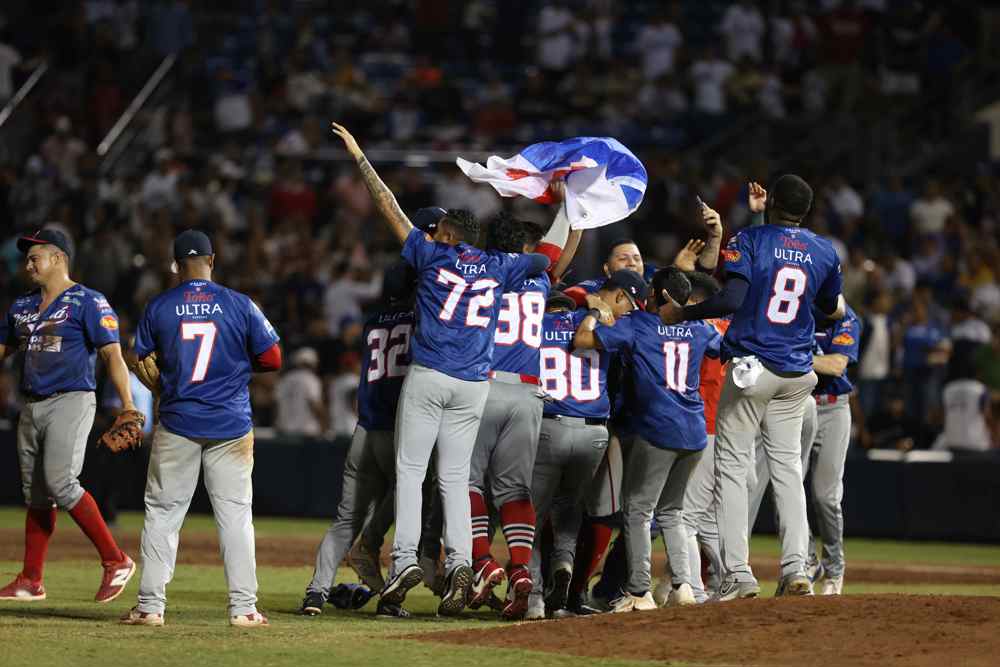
x=488 y=399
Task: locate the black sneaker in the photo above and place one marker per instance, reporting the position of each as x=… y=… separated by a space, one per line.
x=558 y=593
x=578 y=604
x=386 y=610
x=456 y=591
x=395 y=591
x=312 y=604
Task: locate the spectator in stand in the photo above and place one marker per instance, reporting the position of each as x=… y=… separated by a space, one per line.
x=891 y=206
x=299 y=397
x=793 y=36
x=558 y=40
x=10 y=58
x=845 y=201
x=926 y=348
x=291 y=196
x=62 y=151
x=159 y=188
x=968 y=335
x=658 y=42
x=932 y=210
x=875 y=353
x=710 y=75
x=899 y=274
x=344 y=392
x=742 y=27
x=171 y=27
x=968 y=419
x=342 y=301
x=844 y=33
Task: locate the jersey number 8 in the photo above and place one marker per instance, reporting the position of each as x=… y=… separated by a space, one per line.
x=786 y=295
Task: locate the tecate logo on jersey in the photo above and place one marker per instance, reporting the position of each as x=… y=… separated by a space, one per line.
x=195 y=309
x=198 y=297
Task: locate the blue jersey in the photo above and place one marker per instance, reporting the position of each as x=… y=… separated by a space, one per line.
x=591 y=286
x=919 y=340
x=458 y=300
x=575 y=380
x=788 y=269
x=519 y=327
x=206 y=338
x=60 y=344
x=843 y=337
x=387 y=337
x=665 y=365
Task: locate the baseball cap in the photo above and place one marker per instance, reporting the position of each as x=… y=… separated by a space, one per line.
x=631 y=282
x=191 y=243
x=44 y=237
x=305 y=356
x=426 y=219
x=559 y=299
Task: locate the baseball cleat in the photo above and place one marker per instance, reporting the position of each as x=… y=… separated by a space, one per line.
x=736 y=590
x=252 y=620
x=23 y=589
x=624 y=604
x=581 y=606
x=395 y=591
x=312 y=604
x=518 y=595
x=558 y=593
x=662 y=591
x=832 y=586
x=135 y=617
x=488 y=576
x=386 y=610
x=562 y=613
x=794 y=585
x=536 y=608
x=645 y=602
x=366 y=565
x=815 y=570
x=682 y=596
x=456 y=591
x=116 y=577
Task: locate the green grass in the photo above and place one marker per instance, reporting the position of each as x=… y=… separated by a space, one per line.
x=69 y=629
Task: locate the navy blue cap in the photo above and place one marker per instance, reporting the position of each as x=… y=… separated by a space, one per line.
x=426 y=219
x=191 y=243
x=631 y=282
x=44 y=237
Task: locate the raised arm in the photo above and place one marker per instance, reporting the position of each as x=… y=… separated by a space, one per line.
x=384 y=200
x=708 y=259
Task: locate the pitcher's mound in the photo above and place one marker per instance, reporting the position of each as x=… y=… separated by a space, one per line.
x=911 y=630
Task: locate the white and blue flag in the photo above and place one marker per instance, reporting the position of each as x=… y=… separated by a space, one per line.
x=605 y=181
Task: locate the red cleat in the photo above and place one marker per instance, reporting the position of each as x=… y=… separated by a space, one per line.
x=489 y=574
x=23 y=589
x=517 y=595
x=116 y=577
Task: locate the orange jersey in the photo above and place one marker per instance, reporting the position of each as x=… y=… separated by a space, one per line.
x=712 y=373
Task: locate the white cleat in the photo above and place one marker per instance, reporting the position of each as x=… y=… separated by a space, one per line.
x=682 y=596
x=832 y=586
x=135 y=617
x=662 y=591
x=252 y=620
x=536 y=608
x=645 y=603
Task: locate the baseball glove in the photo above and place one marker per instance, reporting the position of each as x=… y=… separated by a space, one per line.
x=146 y=370
x=125 y=433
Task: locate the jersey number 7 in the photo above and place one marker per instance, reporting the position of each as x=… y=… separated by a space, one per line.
x=206 y=331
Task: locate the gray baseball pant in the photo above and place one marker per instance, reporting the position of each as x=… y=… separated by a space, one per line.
x=569 y=452
x=173 y=475
x=699 y=517
x=369 y=478
x=51 y=442
x=774 y=406
x=654 y=482
x=507 y=442
x=435 y=407
x=760 y=473
x=833 y=436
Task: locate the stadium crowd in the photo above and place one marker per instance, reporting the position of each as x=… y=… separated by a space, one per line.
x=240 y=147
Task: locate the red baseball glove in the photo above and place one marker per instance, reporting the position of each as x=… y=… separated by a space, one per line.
x=125 y=433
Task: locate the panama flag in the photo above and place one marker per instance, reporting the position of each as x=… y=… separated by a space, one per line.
x=605 y=182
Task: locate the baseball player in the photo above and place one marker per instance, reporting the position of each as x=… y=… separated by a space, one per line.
x=838 y=348
x=61 y=327
x=459 y=292
x=370 y=471
x=776 y=272
x=574 y=433
x=665 y=364
x=507 y=442
x=205 y=340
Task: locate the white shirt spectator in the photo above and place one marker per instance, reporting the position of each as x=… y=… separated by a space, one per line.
x=710 y=77
x=295 y=395
x=973 y=330
x=770 y=97
x=930 y=215
x=657 y=44
x=159 y=189
x=846 y=201
x=9 y=57
x=743 y=27
x=902 y=277
x=655 y=98
x=875 y=361
x=965 y=408
x=815 y=91
x=343 y=300
x=556 y=38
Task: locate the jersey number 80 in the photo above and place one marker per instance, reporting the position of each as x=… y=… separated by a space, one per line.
x=576 y=375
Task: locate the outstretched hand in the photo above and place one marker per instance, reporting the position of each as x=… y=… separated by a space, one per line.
x=349 y=142
x=688 y=255
x=757 y=198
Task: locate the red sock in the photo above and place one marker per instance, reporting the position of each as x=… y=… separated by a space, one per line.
x=594 y=540
x=39 y=525
x=88 y=517
x=517 y=519
x=480 y=526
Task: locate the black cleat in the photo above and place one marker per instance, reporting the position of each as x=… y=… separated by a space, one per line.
x=456 y=591
x=386 y=610
x=312 y=604
x=395 y=591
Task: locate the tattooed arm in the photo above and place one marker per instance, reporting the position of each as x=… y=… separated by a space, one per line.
x=384 y=200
